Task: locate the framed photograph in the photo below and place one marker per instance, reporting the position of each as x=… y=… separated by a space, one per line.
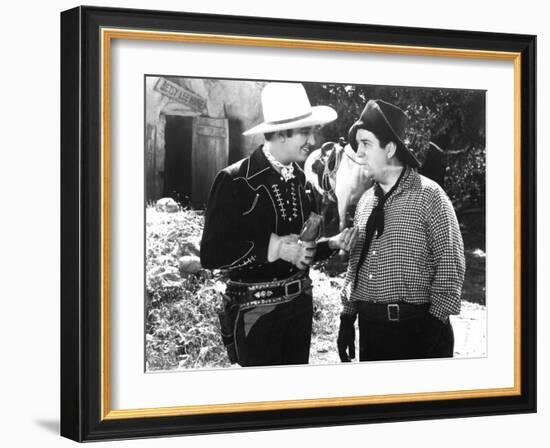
x=277 y=224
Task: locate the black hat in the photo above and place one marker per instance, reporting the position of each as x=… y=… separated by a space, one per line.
x=388 y=122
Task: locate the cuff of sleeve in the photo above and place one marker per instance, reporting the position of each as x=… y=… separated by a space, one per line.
x=445 y=305
x=349 y=308
x=439 y=314
x=256 y=254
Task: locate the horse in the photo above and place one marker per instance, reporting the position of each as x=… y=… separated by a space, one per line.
x=338 y=178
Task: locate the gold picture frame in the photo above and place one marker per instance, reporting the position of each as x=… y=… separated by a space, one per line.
x=86 y=325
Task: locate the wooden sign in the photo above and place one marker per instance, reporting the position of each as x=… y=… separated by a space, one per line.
x=180 y=94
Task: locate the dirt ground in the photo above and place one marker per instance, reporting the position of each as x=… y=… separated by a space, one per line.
x=470 y=326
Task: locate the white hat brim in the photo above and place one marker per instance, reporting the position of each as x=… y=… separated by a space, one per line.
x=319 y=115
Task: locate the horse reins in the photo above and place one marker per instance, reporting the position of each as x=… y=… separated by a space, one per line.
x=349 y=157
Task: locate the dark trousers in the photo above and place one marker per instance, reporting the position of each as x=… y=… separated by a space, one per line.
x=272 y=335
x=412 y=338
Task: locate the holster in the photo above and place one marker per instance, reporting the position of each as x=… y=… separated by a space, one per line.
x=227 y=316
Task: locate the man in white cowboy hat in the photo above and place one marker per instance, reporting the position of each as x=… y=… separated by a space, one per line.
x=405 y=273
x=256 y=208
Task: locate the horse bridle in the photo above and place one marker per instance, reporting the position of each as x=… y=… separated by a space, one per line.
x=330 y=173
x=351 y=158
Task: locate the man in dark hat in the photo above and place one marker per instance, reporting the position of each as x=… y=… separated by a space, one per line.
x=405 y=274
x=255 y=211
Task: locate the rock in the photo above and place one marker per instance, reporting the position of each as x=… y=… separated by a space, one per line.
x=186 y=247
x=171 y=277
x=189 y=264
x=167 y=205
x=190 y=247
x=205 y=274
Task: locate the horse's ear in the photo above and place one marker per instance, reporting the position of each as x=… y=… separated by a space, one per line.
x=326 y=147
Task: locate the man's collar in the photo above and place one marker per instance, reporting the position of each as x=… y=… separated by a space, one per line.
x=407 y=181
x=410 y=181
x=257 y=163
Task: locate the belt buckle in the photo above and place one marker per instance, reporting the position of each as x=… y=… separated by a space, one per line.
x=393 y=316
x=298 y=283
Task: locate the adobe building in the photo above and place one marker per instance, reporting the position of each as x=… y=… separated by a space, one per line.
x=193 y=129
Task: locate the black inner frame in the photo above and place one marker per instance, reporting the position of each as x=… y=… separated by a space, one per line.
x=81 y=221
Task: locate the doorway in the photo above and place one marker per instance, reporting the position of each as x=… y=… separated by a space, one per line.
x=178 y=140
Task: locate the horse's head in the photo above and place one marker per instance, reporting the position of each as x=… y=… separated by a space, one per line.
x=327 y=148
x=338 y=176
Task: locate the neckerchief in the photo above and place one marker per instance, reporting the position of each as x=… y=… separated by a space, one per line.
x=375 y=221
x=287 y=171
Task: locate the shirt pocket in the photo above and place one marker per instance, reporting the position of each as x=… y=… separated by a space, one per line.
x=252 y=206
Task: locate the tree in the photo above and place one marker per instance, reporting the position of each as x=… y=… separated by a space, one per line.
x=454 y=119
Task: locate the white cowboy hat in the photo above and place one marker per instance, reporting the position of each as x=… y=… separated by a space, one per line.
x=285 y=105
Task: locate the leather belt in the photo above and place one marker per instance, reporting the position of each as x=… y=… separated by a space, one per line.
x=277 y=291
x=392 y=312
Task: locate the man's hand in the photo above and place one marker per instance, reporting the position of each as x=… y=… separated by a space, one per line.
x=431 y=333
x=345 y=240
x=291 y=249
x=346 y=337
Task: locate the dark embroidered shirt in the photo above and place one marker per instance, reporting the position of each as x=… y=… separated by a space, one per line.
x=248 y=201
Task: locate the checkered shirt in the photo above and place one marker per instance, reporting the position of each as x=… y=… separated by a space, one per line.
x=419 y=258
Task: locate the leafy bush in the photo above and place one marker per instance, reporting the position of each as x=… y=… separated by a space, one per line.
x=181 y=322
x=182 y=326
x=465 y=180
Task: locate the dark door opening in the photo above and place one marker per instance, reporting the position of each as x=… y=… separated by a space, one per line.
x=178 y=138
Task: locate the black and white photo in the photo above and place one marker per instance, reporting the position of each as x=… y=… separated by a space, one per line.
x=312 y=223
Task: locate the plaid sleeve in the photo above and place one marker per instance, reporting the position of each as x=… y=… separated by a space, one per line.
x=348 y=307
x=445 y=241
